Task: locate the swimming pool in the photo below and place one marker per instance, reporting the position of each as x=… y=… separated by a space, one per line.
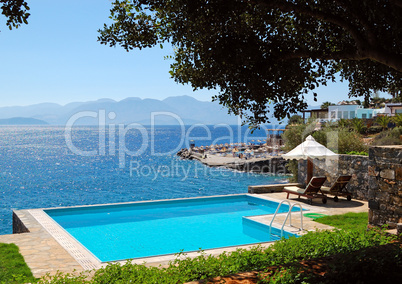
x=144 y=229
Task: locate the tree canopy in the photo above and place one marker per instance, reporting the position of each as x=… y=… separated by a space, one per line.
x=15 y=11
x=261 y=52
x=325 y=105
x=257 y=52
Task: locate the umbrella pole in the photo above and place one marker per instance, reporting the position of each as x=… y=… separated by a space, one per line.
x=310 y=168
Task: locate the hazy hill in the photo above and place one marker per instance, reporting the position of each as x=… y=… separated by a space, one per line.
x=22 y=121
x=173 y=110
x=170 y=111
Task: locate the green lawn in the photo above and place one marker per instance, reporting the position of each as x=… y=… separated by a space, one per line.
x=346 y=221
x=13 y=268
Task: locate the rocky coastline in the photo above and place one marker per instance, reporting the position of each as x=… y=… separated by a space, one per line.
x=274 y=164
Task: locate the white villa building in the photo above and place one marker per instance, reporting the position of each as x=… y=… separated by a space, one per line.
x=350 y=111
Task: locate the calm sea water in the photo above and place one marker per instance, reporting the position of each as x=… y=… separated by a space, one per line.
x=50 y=167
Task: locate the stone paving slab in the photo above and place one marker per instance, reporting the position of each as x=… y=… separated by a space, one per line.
x=41 y=251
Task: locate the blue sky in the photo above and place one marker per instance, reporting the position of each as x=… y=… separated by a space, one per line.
x=56 y=58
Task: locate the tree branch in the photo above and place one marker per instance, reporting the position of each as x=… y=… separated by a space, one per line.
x=371 y=37
x=284 y=6
x=365 y=48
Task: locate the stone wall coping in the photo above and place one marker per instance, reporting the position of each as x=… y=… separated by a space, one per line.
x=388 y=146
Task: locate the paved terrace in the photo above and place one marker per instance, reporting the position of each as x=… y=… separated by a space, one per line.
x=44 y=254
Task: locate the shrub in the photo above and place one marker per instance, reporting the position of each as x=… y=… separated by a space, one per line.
x=369 y=265
x=295 y=119
x=383 y=121
x=296 y=134
x=185 y=269
x=341 y=140
x=293 y=167
x=374 y=129
x=397 y=119
x=389 y=137
x=357 y=153
x=359 y=125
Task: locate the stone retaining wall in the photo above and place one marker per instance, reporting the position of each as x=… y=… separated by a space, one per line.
x=272 y=165
x=385 y=186
x=18 y=225
x=356 y=166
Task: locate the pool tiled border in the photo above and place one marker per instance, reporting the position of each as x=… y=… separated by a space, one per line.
x=72 y=255
x=88 y=261
x=72 y=246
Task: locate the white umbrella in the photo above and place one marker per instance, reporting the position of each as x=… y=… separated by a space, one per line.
x=309 y=149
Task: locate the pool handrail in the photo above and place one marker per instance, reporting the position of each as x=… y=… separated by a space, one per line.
x=287 y=215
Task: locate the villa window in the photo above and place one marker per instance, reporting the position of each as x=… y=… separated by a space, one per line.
x=370 y=115
x=352 y=114
x=333 y=114
x=345 y=114
x=339 y=114
x=364 y=115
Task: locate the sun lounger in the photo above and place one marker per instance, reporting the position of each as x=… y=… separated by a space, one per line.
x=338 y=188
x=311 y=190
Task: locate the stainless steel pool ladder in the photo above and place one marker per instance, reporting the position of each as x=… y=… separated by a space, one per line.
x=289 y=214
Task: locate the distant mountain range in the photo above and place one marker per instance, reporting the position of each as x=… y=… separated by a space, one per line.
x=170 y=111
x=22 y=121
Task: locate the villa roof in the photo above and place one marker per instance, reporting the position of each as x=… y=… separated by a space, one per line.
x=394 y=104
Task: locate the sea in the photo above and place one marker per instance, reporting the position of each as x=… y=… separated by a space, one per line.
x=54 y=166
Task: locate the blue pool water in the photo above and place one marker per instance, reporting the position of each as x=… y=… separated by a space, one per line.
x=39 y=170
x=116 y=232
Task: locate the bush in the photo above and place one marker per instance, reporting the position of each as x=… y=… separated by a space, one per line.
x=369 y=265
x=185 y=269
x=374 y=129
x=344 y=123
x=383 y=121
x=397 y=119
x=293 y=167
x=296 y=134
x=389 y=137
x=359 y=125
x=341 y=140
x=295 y=119
x=357 y=153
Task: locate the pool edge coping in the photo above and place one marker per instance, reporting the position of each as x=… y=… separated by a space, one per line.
x=89 y=261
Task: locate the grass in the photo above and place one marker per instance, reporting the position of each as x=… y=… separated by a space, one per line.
x=348 y=221
x=13 y=268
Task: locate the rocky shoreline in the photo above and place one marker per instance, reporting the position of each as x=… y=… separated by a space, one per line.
x=274 y=165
